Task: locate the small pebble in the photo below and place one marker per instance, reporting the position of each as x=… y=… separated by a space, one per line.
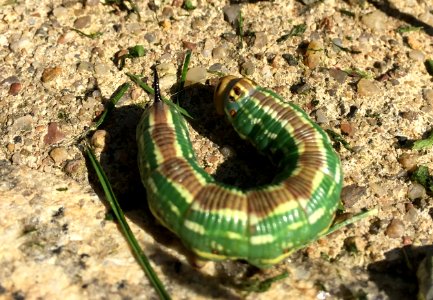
x=16 y=158
x=15 y=88
x=75 y=167
x=212 y=159
x=99 y=139
x=165 y=24
x=167 y=81
x=50 y=74
x=3 y=41
x=150 y=37
x=219 y=52
x=60 y=12
x=102 y=69
x=66 y=37
x=92 y=2
x=367 y=88
x=417 y=55
x=408 y=161
x=189 y=45
x=315 y=54
x=98 y=51
x=409 y=115
x=416 y=191
x=351 y=194
x=167 y=12
x=22 y=44
x=347 y=128
x=321 y=117
x=376 y=20
x=85 y=66
x=54 y=135
x=10 y=147
x=247 y=68
x=355 y=243
x=231 y=13
x=198 y=24
x=136 y=93
x=427 y=95
x=133 y=28
x=59 y=155
x=82 y=22
x=228 y=151
x=22 y=124
x=290 y=59
x=166 y=69
x=177 y=3
x=413 y=42
x=215 y=67
x=411 y=215
x=261 y=40
x=69 y=3
x=195 y=75
x=395 y=229
x=338 y=75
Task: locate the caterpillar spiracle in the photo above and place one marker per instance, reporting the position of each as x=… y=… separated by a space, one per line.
x=261 y=225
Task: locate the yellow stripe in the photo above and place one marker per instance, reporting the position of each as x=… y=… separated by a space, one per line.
x=262 y=239
x=195 y=227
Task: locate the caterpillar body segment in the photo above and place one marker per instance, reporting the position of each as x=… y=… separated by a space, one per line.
x=217 y=221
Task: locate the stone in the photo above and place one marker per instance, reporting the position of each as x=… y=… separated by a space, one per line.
x=50 y=74
x=351 y=194
x=367 y=88
x=99 y=139
x=376 y=20
x=219 y=52
x=416 y=191
x=59 y=155
x=261 y=40
x=54 y=135
x=408 y=161
x=102 y=69
x=248 y=68
x=231 y=13
x=22 y=124
x=395 y=229
x=82 y=22
x=15 y=88
x=194 y=75
x=417 y=55
x=314 y=55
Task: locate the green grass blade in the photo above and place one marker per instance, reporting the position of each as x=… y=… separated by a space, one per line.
x=423 y=144
x=150 y=90
x=117 y=95
x=138 y=252
x=352 y=220
x=184 y=70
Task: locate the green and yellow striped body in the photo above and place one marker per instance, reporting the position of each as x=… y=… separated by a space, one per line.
x=216 y=221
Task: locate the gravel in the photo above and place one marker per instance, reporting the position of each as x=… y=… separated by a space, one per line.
x=55 y=82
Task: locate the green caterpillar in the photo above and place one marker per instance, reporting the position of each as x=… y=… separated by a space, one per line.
x=262 y=225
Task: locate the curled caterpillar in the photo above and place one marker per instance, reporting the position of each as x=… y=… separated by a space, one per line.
x=261 y=225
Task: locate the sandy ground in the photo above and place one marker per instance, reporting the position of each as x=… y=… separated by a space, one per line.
x=368 y=83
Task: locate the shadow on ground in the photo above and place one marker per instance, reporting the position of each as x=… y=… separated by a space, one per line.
x=119 y=161
x=389 y=9
x=396 y=274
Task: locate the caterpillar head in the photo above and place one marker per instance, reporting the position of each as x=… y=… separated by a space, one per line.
x=228 y=93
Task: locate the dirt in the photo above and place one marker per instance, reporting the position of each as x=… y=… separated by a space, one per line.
x=368 y=82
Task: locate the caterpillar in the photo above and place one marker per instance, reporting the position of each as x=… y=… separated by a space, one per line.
x=262 y=225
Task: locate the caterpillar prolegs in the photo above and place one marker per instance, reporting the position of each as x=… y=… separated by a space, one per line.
x=261 y=225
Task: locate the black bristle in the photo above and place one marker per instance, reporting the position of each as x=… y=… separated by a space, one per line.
x=156 y=86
